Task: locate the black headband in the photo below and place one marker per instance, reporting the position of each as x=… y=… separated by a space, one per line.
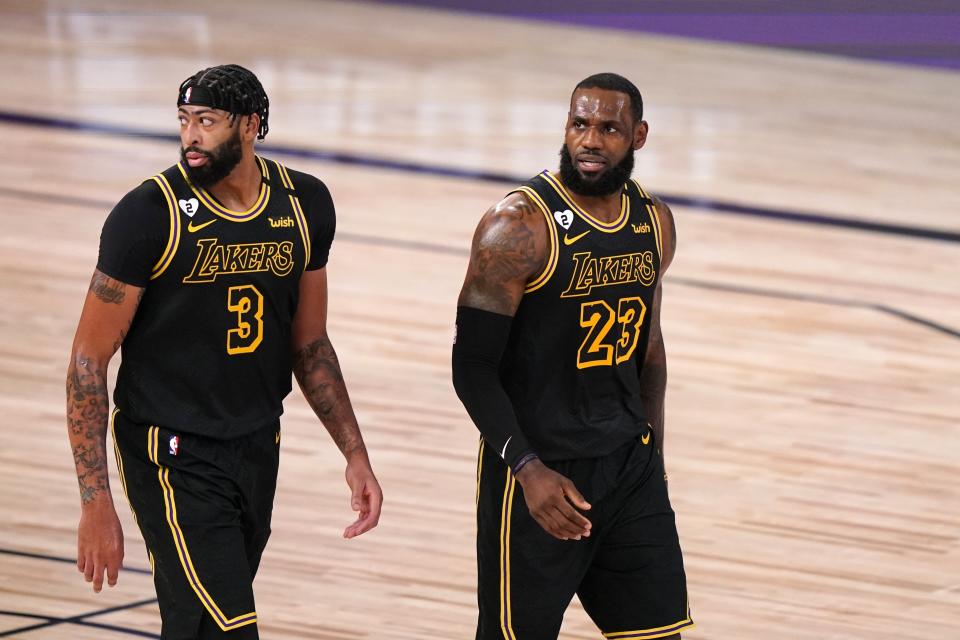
x=229 y=88
x=196 y=94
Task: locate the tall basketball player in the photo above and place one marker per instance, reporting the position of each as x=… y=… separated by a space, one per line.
x=212 y=280
x=560 y=362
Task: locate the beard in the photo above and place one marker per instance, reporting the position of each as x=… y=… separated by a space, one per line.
x=220 y=162
x=606 y=183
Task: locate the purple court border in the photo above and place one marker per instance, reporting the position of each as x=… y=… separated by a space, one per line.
x=916 y=32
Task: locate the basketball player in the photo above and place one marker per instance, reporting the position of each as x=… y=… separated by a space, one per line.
x=211 y=278
x=559 y=361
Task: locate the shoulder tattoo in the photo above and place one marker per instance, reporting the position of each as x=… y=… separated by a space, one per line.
x=107 y=289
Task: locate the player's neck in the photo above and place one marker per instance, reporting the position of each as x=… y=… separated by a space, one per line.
x=240 y=190
x=604 y=208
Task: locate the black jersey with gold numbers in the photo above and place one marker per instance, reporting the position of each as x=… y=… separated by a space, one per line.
x=209 y=350
x=579 y=336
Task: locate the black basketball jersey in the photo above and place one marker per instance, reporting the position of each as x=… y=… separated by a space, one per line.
x=579 y=336
x=209 y=350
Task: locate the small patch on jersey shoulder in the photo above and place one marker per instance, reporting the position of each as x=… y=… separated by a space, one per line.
x=190 y=206
x=564 y=218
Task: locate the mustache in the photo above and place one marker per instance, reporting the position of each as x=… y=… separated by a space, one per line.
x=197 y=150
x=610 y=181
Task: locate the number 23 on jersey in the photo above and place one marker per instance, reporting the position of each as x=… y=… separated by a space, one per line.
x=599 y=347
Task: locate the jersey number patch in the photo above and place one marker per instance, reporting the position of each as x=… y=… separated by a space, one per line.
x=599 y=348
x=247 y=302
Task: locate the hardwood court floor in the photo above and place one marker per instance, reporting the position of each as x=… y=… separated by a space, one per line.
x=813 y=432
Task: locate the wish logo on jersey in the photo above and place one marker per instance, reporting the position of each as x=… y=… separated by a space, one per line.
x=605 y=271
x=214 y=259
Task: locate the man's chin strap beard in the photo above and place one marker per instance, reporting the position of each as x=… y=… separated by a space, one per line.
x=220 y=163
x=610 y=181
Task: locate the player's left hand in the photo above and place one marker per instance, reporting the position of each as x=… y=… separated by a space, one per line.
x=366 y=496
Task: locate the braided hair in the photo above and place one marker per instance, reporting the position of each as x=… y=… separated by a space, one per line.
x=231 y=88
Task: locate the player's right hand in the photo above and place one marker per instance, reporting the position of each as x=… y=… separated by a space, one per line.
x=99 y=544
x=553 y=500
x=366 y=497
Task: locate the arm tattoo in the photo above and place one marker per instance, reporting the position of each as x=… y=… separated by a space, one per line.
x=505 y=250
x=317 y=369
x=87 y=415
x=107 y=289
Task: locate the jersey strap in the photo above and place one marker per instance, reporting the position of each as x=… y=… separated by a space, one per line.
x=295 y=205
x=654 y=218
x=173 y=239
x=551 y=263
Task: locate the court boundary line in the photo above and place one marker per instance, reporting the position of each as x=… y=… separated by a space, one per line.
x=340 y=157
x=430 y=247
x=817 y=299
x=43 y=556
x=79 y=619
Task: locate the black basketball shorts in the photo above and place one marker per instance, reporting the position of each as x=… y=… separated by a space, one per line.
x=628 y=573
x=203 y=506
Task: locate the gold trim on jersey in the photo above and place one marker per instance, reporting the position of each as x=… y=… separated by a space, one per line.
x=479 y=470
x=552 y=260
x=297 y=211
x=606 y=227
x=218 y=209
x=173 y=237
x=180 y=542
x=654 y=219
x=658 y=632
x=284 y=176
x=506 y=623
x=264 y=171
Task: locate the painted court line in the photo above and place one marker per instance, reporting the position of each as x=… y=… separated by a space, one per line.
x=430 y=247
x=81 y=619
x=697 y=203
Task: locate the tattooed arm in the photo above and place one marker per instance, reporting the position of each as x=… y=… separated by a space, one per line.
x=653 y=375
x=318 y=372
x=510 y=248
x=104 y=322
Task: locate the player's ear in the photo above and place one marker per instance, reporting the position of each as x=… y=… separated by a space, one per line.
x=250 y=125
x=640 y=131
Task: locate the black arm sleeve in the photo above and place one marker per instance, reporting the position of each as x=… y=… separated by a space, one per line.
x=477 y=349
x=134 y=235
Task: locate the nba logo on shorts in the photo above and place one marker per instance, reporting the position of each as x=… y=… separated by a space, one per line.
x=174 y=445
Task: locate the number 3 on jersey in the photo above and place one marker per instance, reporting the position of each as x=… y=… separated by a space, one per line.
x=598 y=318
x=247 y=302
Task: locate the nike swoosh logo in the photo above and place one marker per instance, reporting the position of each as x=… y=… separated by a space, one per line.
x=567 y=240
x=646 y=439
x=196 y=227
x=503 y=454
